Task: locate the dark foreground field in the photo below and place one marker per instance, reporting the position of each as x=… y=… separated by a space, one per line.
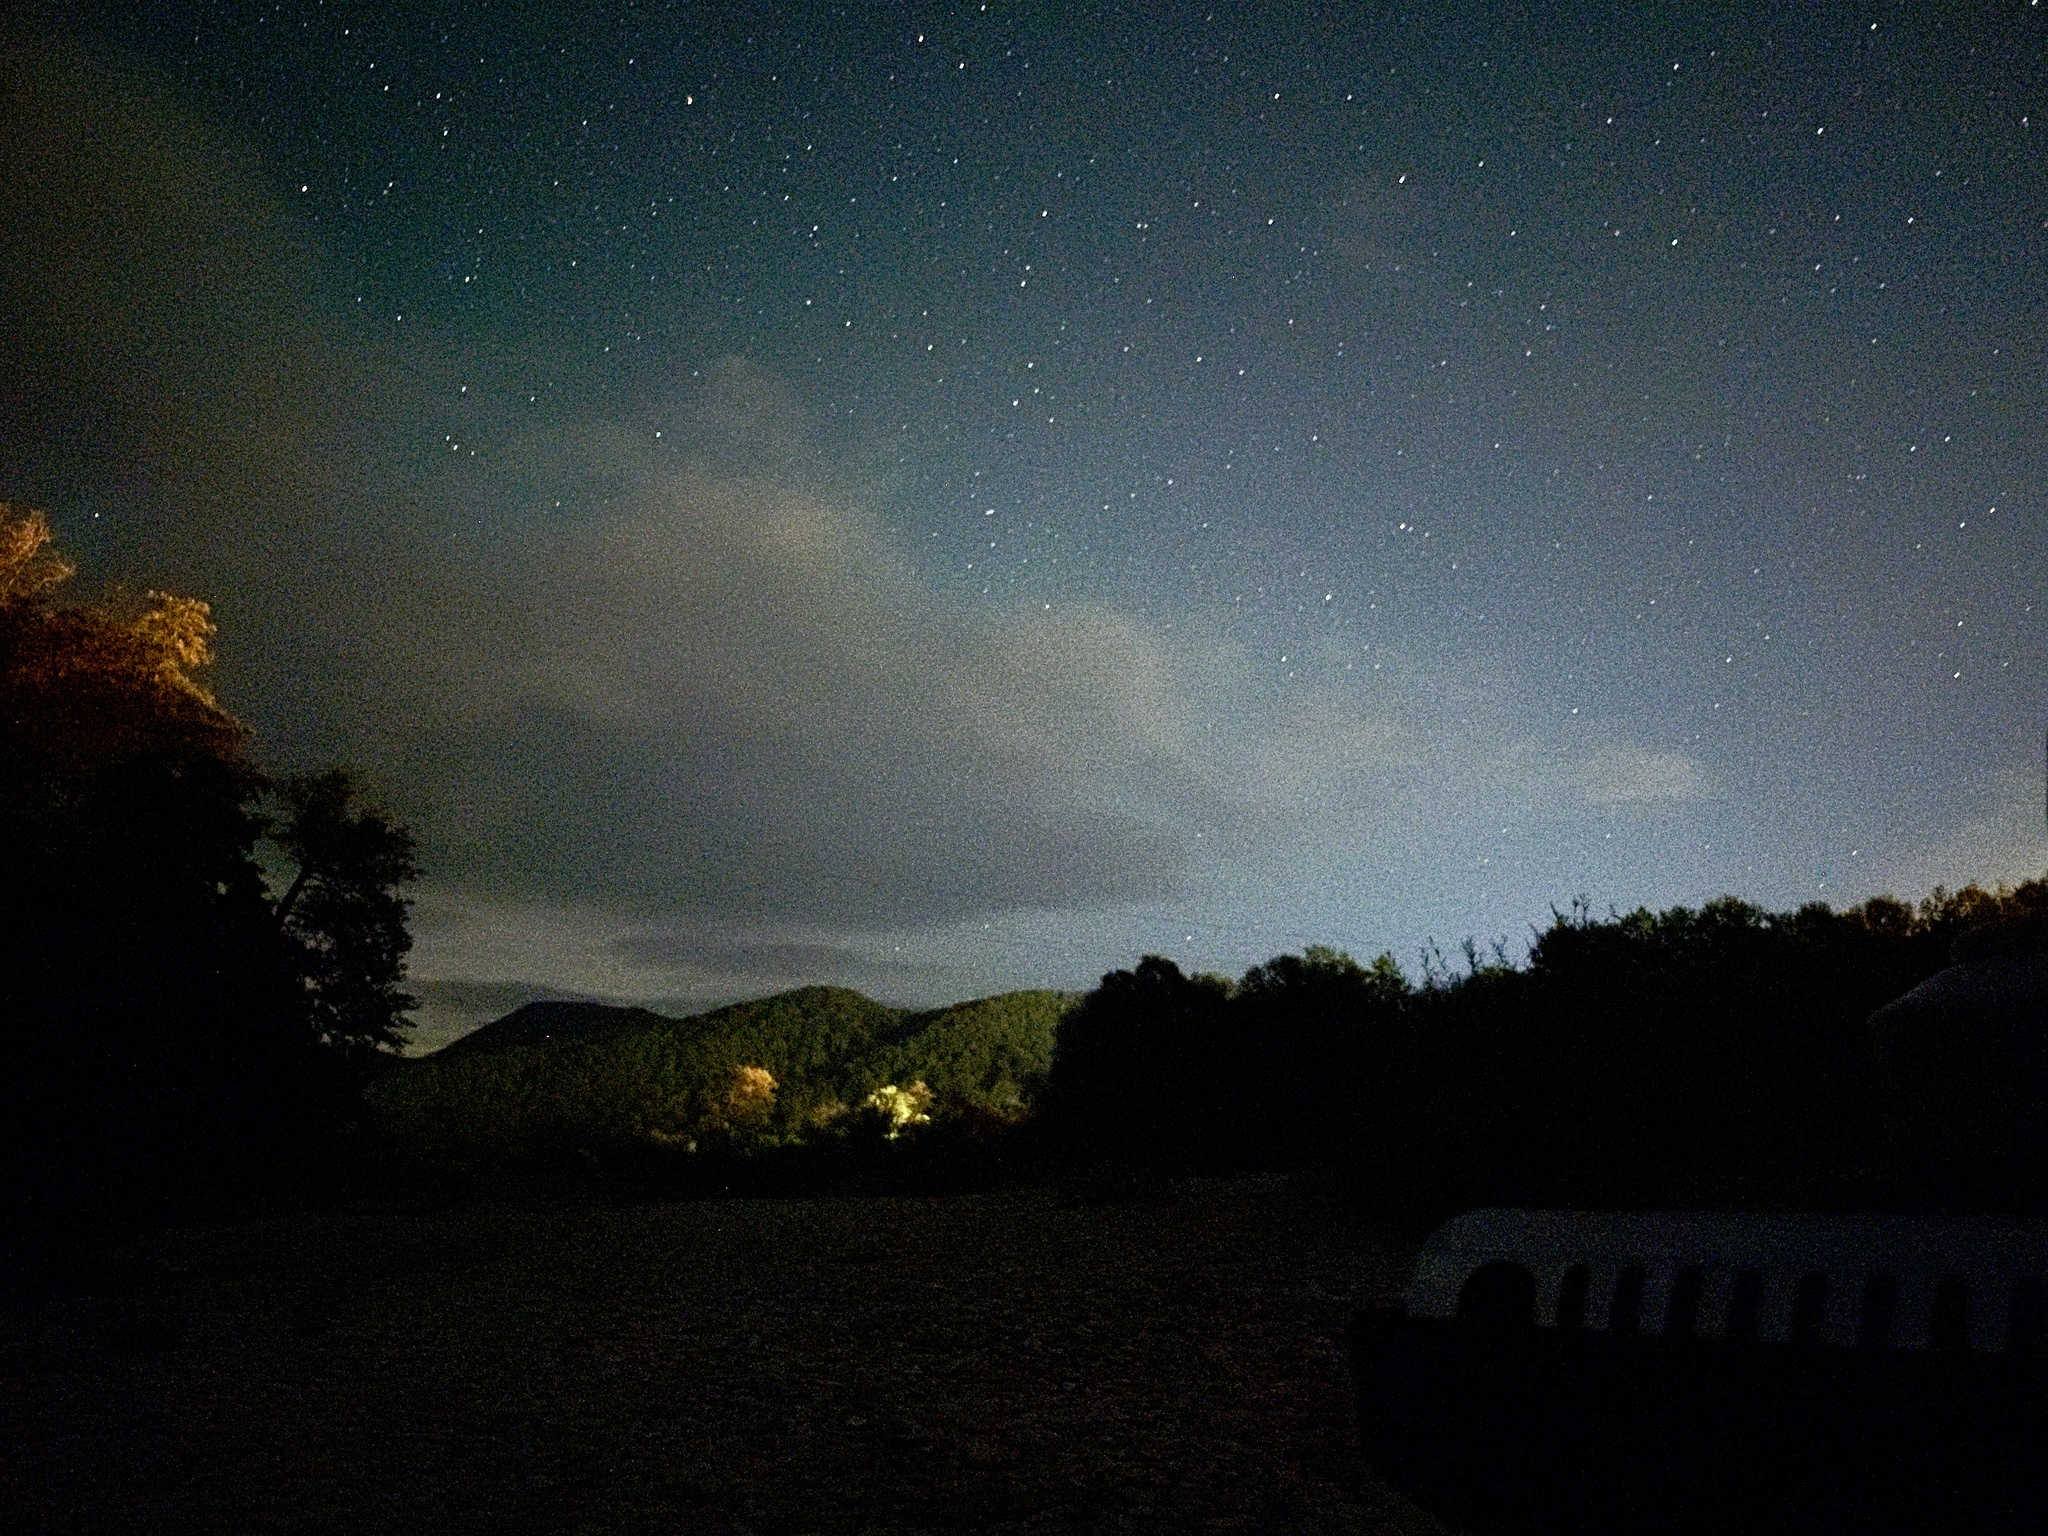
x=1000 y=1362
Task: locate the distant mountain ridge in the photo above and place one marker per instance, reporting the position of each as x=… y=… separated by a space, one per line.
x=537 y=1023
x=588 y=1073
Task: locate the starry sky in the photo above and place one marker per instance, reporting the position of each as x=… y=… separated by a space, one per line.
x=954 y=497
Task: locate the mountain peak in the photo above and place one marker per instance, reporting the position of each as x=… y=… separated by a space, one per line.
x=550 y=1020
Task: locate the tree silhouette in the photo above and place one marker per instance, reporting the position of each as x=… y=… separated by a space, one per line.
x=343 y=911
x=1143 y=1071
x=140 y=993
x=166 y=1027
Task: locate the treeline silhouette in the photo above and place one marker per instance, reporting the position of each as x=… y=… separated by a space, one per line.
x=1719 y=1056
x=1723 y=1056
x=177 y=1034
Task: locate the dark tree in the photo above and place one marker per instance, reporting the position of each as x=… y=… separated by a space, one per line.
x=149 y=1020
x=170 y=1035
x=1273 y=1072
x=1139 y=1071
x=1314 y=1034
x=343 y=911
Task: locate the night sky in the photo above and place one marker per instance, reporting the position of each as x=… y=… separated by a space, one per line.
x=941 y=499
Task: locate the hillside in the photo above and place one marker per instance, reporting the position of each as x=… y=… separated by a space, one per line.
x=551 y=1074
x=541 y=1022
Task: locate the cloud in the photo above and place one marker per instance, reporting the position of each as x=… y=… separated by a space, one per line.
x=1418 y=750
x=478 y=957
x=489 y=999
x=728 y=696
x=674 y=716
x=704 y=688
x=449 y=1009
x=1328 y=752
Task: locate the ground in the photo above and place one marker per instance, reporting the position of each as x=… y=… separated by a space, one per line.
x=1014 y=1361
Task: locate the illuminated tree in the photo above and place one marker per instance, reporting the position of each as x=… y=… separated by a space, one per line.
x=124 y=786
x=750 y=1096
x=141 y=985
x=900 y=1108
x=28 y=566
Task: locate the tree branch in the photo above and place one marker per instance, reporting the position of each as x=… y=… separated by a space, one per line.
x=290 y=898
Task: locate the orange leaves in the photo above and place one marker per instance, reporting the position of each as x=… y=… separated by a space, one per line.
x=28 y=566
x=89 y=685
x=179 y=631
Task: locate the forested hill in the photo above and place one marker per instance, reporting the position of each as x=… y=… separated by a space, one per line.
x=554 y=1019
x=586 y=1073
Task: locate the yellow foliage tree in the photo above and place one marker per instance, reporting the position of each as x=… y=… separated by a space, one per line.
x=147 y=1009
x=750 y=1096
x=901 y=1107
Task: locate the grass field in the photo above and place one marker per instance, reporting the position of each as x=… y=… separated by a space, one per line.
x=1001 y=1362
